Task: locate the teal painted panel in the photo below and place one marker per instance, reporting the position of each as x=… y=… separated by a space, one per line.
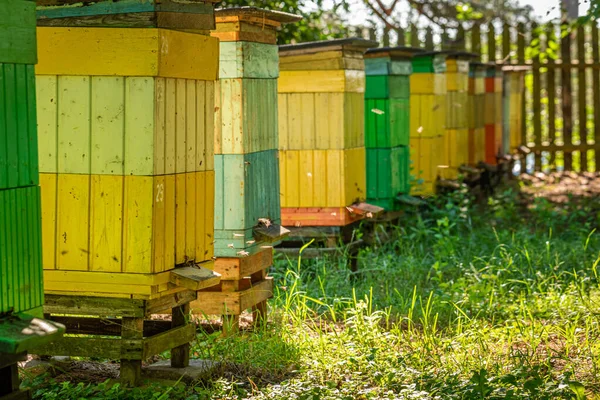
x=387 y=123
x=85 y=9
x=236 y=243
x=246 y=189
x=385 y=66
x=21 y=285
x=248 y=60
x=17 y=30
x=388 y=174
x=18 y=128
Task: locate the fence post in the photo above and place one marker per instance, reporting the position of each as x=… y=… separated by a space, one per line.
x=401 y=40
x=476 y=39
x=506 y=57
x=537 y=98
x=491 y=37
x=551 y=85
x=566 y=94
x=596 y=86
x=414 y=36
x=386 y=36
x=581 y=101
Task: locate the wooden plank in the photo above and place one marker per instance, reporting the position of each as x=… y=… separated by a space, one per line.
x=567 y=99
x=506 y=42
x=239 y=268
x=194 y=278
x=137 y=218
x=232 y=303
x=156 y=306
x=72 y=226
x=248 y=60
x=47 y=117
x=180 y=355
x=537 y=104
x=581 y=95
x=103 y=307
x=17 y=30
x=168 y=340
x=107 y=278
x=21 y=335
x=551 y=88
x=596 y=91
x=127 y=52
x=142 y=150
x=317 y=216
x=476 y=39
x=321 y=81
x=491 y=42
x=132 y=334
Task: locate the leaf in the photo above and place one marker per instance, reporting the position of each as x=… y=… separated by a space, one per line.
x=578 y=389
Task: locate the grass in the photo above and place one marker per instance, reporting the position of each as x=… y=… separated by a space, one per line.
x=468 y=301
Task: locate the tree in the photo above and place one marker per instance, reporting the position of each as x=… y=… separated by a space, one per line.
x=447 y=14
x=318 y=22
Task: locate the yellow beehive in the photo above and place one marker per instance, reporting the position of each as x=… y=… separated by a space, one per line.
x=477 y=98
x=126 y=132
x=321 y=130
x=513 y=135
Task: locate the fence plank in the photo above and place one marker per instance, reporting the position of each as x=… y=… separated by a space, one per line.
x=429 y=39
x=551 y=84
x=401 y=39
x=414 y=36
x=491 y=36
x=566 y=95
x=536 y=96
x=506 y=43
x=386 y=37
x=596 y=86
x=521 y=32
x=372 y=34
x=476 y=39
x=581 y=92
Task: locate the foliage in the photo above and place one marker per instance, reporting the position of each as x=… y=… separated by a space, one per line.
x=470 y=300
x=319 y=22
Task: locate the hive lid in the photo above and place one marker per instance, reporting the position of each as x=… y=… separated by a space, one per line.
x=515 y=68
x=462 y=55
x=255 y=12
x=395 y=53
x=353 y=43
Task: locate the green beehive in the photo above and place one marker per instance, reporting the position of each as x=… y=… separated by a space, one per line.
x=387 y=124
x=247 y=195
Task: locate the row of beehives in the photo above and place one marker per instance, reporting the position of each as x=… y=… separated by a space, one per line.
x=127 y=134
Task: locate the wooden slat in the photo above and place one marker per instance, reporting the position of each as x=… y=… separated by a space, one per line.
x=461 y=41
x=506 y=42
x=401 y=40
x=491 y=37
x=521 y=60
x=537 y=103
x=476 y=39
x=386 y=37
x=551 y=85
x=414 y=36
x=567 y=100
x=429 y=39
x=596 y=90
x=581 y=94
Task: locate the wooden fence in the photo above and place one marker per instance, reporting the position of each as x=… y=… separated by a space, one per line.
x=562 y=96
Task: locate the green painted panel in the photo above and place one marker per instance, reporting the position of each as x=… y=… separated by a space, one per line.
x=17 y=30
x=387 y=174
x=429 y=63
x=248 y=60
x=384 y=87
x=247 y=188
x=387 y=123
x=18 y=128
x=21 y=286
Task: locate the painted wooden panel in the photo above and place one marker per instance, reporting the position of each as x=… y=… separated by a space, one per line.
x=457 y=110
x=427 y=115
x=247 y=116
x=387 y=66
x=21 y=287
x=124 y=125
x=322 y=178
x=476 y=145
x=247 y=188
x=427 y=154
x=323 y=60
x=428 y=84
x=387 y=123
x=384 y=87
x=328 y=81
x=320 y=121
x=388 y=175
x=17 y=30
x=248 y=60
x=130 y=224
x=127 y=52
x=457 y=145
x=429 y=63
x=18 y=130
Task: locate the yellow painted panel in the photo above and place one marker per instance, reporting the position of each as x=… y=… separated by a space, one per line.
x=321 y=81
x=231 y=115
x=415 y=116
x=137 y=225
x=196 y=103
x=107 y=278
x=180 y=218
x=428 y=83
x=160 y=127
x=142 y=154
x=47 y=115
x=457 y=82
x=106 y=223
x=169 y=237
x=209 y=217
x=208 y=152
x=77 y=287
x=170 y=97
x=335 y=180
x=159 y=218
x=198 y=205
x=325 y=191
x=355 y=182
x=180 y=126
x=126 y=52
x=427 y=154
x=73 y=239
x=191 y=190
x=282 y=121
x=48 y=186
x=283 y=187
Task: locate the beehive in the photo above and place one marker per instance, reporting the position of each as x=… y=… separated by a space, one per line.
x=514 y=85
x=246 y=140
x=457 y=113
x=427 y=120
x=477 y=73
x=387 y=118
x=321 y=131
x=21 y=288
x=493 y=114
x=126 y=128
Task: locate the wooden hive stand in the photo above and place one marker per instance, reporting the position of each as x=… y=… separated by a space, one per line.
x=121 y=328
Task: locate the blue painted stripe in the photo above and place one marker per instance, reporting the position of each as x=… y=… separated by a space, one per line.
x=120 y=7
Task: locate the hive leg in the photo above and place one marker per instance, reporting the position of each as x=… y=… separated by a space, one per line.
x=259 y=311
x=180 y=356
x=131 y=370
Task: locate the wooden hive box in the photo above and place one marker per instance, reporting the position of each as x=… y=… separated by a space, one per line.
x=321 y=131
x=457 y=111
x=246 y=139
x=477 y=73
x=126 y=126
x=428 y=92
x=514 y=86
x=493 y=141
x=387 y=124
